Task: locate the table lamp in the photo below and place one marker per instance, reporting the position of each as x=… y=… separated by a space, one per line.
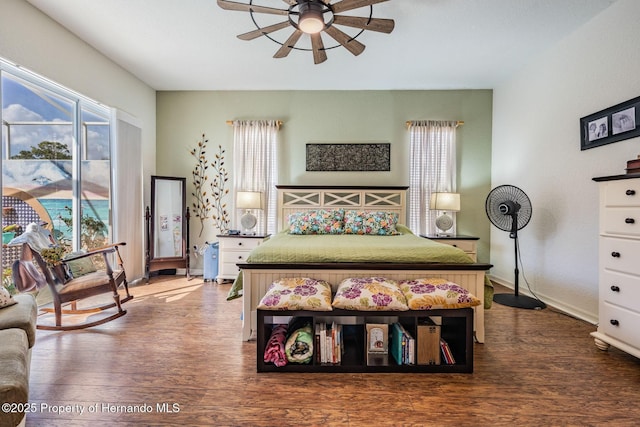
x=248 y=200
x=444 y=202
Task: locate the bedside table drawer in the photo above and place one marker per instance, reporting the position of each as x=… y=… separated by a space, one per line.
x=234 y=256
x=229 y=269
x=240 y=243
x=465 y=245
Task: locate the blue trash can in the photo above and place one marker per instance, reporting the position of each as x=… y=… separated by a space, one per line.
x=211 y=261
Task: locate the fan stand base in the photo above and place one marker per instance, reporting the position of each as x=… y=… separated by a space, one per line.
x=519 y=301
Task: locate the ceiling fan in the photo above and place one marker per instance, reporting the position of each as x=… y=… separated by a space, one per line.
x=313 y=17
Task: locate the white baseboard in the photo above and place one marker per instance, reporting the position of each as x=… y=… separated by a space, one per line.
x=558 y=305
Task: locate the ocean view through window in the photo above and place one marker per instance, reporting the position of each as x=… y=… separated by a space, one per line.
x=56 y=151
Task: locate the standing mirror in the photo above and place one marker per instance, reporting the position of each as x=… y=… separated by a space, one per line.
x=167 y=226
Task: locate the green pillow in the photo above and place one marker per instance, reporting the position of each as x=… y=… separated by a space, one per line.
x=80 y=267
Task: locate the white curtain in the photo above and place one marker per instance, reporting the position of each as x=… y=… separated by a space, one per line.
x=128 y=221
x=432 y=169
x=255 y=167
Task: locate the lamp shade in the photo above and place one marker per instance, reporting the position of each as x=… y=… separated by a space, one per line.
x=445 y=202
x=248 y=200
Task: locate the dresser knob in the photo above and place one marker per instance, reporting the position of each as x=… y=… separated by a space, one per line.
x=630 y=192
x=239 y=243
x=615 y=254
x=614 y=322
x=615 y=288
x=630 y=221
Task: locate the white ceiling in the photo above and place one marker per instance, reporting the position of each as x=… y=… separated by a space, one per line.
x=436 y=44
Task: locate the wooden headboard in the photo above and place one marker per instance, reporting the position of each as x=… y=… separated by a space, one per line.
x=299 y=198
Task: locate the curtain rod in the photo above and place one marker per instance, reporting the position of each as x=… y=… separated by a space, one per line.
x=230 y=122
x=458 y=123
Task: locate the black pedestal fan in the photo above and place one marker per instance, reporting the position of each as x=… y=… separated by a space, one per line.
x=509 y=209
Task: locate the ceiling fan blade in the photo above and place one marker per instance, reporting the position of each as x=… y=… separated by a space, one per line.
x=353 y=46
x=373 y=24
x=319 y=54
x=262 y=31
x=288 y=45
x=232 y=5
x=344 y=5
x=290 y=2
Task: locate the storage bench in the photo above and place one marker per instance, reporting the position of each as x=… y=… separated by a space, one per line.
x=456 y=329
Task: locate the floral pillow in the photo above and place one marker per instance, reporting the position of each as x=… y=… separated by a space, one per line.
x=297 y=293
x=5 y=298
x=370 y=294
x=369 y=222
x=319 y=221
x=433 y=293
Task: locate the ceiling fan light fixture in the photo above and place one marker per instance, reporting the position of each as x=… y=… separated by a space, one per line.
x=311 y=18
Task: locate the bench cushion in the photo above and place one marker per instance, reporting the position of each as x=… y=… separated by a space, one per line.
x=21 y=315
x=14 y=373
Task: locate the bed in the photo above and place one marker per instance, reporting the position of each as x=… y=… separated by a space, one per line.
x=334 y=257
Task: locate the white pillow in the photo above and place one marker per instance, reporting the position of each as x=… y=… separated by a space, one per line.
x=5 y=298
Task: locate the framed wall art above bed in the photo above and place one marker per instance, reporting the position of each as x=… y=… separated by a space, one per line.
x=341 y=157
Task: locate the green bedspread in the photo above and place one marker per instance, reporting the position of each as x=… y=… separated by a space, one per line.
x=403 y=248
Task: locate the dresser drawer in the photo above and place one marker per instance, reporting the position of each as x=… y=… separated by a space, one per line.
x=623 y=221
x=241 y=243
x=620 y=323
x=619 y=254
x=620 y=289
x=625 y=192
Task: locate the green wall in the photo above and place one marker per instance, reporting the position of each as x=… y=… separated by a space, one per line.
x=334 y=116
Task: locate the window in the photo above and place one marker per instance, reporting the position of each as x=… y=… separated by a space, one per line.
x=432 y=169
x=255 y=166
x=56 y=149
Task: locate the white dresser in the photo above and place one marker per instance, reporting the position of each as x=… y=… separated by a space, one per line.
x=234 y=249
x=619 y=264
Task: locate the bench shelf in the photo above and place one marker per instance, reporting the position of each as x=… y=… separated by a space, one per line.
x=456 y=328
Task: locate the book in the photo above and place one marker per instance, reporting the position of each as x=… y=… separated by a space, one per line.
x=397 y=343
x=446 y=352
x=403 y=345
x=410 y=351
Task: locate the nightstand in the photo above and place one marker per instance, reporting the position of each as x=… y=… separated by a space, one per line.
x=232 y=250
x=469 y=244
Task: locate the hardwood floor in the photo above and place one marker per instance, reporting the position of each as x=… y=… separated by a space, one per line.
x=178 y=349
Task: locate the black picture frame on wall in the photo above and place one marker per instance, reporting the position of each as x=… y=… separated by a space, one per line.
x=617 y=123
